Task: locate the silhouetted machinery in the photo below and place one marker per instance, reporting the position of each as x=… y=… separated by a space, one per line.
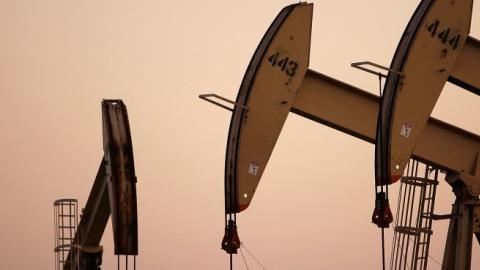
x=113 y=194
x=410 y=146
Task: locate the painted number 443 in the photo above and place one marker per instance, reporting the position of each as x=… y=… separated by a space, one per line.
x=284 y=63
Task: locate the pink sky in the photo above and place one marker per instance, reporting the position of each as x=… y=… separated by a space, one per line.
x=312 y=209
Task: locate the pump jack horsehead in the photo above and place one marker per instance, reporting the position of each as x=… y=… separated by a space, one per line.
x=113 y=193
x=434 y=49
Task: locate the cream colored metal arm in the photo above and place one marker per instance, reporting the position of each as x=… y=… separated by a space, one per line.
x=354 y=111
x=466 y=72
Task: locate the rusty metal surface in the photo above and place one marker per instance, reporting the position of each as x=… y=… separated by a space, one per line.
x=94 y=218
x=120 y=176
x=268 y=90
x=476 y=219
x=113 y=191
x=426 y=54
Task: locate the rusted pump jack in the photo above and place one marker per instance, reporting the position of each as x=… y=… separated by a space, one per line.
x=113 y=193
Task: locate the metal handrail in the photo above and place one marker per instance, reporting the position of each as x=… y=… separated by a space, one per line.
x=207 y=97
x=358 y=65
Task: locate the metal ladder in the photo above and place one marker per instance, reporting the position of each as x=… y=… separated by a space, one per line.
x=65 y=225
x=413 y=223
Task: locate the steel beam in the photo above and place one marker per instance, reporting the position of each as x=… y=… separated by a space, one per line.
x=120 y=177
x=466 y=72
x=458 y=248
x=93 y=220
x=354 y=111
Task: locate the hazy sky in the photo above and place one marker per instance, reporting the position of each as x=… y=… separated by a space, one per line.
x=60 y=58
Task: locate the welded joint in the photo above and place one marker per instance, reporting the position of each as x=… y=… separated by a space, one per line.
x=471 y=181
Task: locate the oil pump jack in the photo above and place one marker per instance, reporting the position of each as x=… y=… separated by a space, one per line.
x=435 y=48
x=113 y=193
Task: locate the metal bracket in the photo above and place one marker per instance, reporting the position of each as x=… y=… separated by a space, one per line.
x=442 y=217
x=471 y=181
x=358 y=65
x=207 y=97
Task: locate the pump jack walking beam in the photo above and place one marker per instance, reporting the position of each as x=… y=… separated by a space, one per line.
x=351 y=110
x=354 y=111
x=113 y=193
x=466 y=69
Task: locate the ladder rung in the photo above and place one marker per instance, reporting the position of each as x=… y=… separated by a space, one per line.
x=421 y=258
x=412 y=230
x=66 y=215
x=66 y=227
